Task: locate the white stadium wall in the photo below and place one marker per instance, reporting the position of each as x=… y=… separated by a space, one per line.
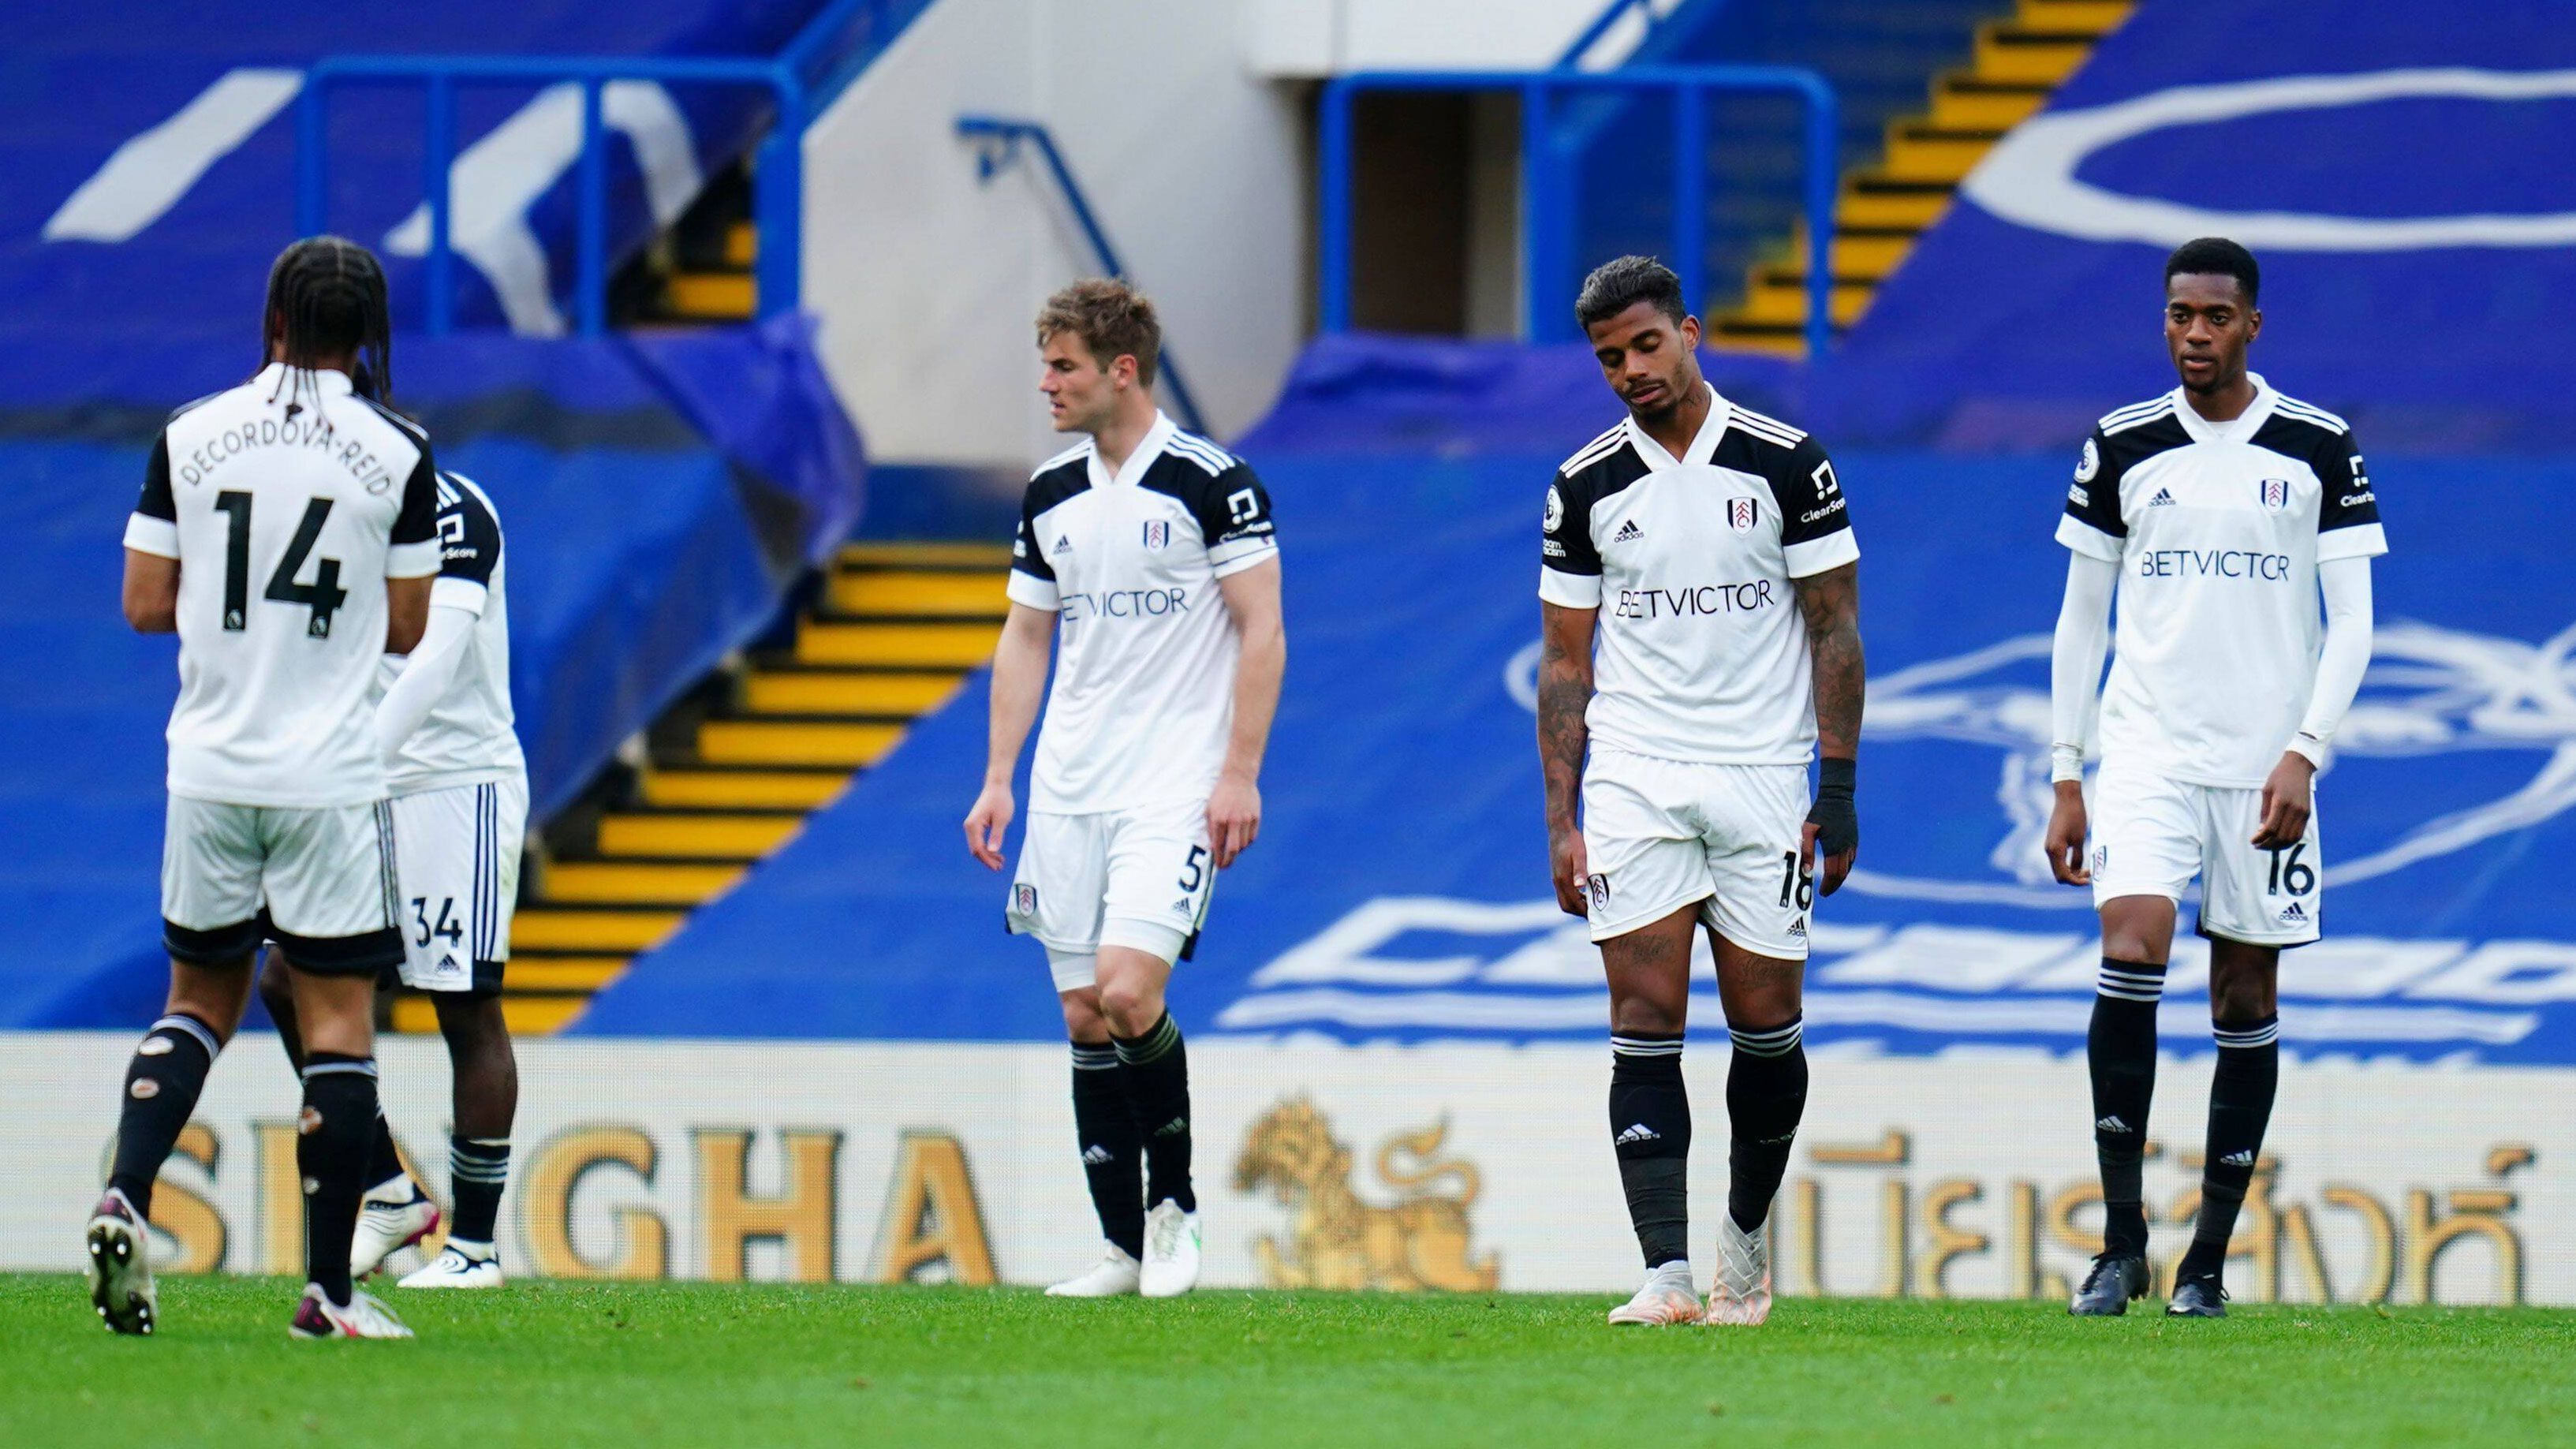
x=1455 y=1166
x=1185 y=122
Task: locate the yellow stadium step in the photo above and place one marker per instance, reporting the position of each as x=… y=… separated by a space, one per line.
x=741 y=245
x=537 y=1014
x=890 y=637
x=846 y=691
x=592 y=932
x=696 y=837
x=809 y=742
x=919 y=592
x=713 y=296
x=925 y=553
x=1884 y=207
x=660 y=883
x=687 y=789
x=925 y=646
x=563 y=973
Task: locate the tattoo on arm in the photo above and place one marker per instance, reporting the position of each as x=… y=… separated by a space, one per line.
x=1564 y=690
x=1830 y=602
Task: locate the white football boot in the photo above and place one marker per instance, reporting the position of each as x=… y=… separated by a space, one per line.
x=120 y=1267
x=1171 y=1266
x=456 y=1268
x=1666 y=1298
x=1742 y=1293
x=1114 y=1276
x=386 y=1226
x=365 y=1317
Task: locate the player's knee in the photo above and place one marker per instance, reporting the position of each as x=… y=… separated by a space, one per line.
x=1644 y=1014
x=2241 y=990
x=1083 y=1018
x=1130 y=1004
x=473 y=1025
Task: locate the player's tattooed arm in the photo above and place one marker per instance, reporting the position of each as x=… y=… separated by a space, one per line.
x=1564 y=693
x=1830 y=603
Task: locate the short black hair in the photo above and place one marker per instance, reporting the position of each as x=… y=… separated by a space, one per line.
x=326 y=297
x=2216 y=256
x=1622 y=283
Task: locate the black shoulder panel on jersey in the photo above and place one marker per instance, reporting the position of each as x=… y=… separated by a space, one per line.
x=406 y=426
x=2120 y=442
x=1566 y=543
x=418 y=520
x=1049 y=487
x=157 y=501
x=1803 y=485
x=2332 y=454
x=469 y=532
x=1230 y=505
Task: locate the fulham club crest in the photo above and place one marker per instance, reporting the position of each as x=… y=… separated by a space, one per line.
x=1158 y=533
x=1740 y=514
x=2276 y=493
x=1024 y=899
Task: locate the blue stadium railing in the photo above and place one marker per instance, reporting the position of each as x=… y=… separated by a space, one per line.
x=998 y=141
x=802 y=79
x=1548 y=186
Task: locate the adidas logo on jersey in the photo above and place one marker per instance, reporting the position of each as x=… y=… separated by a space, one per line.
x=1628 y=532
x=2111 y=1124
x=1798 y=928
x=1064 y=545
x=2242 y=1157
x=1095 y=1156
x=2294 y=914
x=1180 y=908
x=2163 y=499
x=1639 y=1132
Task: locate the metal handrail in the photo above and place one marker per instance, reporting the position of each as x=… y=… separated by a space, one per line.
x=998 y=141
x=1546 y=196
x=778 y=200
x=1600 y=26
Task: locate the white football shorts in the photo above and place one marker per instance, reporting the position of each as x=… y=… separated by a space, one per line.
x=1660 y=834
x=458 y=853
x=2152 y=834
x=1137 y=878
x=319 y=882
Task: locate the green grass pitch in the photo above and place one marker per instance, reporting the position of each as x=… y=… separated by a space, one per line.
x=635 y=1365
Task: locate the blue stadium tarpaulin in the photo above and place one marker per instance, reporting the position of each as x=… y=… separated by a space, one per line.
x=1400 y=891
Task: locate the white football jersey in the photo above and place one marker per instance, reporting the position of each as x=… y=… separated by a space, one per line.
x=468 y=738
x=2217 y=529
x=1699 y=652
x=1145 y=649
x=288 y=501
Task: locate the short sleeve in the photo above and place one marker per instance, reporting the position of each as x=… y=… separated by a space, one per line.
x=1569 y=562
x=1032 y=581
x=469 y=546
x=2348 y=514
x=1815 y=519
x=414 y=549
x=2092 y=523
x=154 y=526
x=1233 y=513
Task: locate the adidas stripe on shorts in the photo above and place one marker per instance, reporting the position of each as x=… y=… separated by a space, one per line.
x=458 y=864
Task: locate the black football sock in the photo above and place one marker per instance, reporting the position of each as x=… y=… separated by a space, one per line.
x=1157 y=1069
x=2240 y=1107
x=1766 y=1094
x=477 y=1169
x=384 y=1161
x=1113 y=1149
x=2120 y=1048
x=1650 y=1130
x=161 y=1087
x=331 y=1153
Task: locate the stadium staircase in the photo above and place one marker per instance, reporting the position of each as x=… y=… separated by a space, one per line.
x=1889 y=199
x=731 y=775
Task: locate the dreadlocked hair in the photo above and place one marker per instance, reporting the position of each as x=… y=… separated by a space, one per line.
x=326 y=298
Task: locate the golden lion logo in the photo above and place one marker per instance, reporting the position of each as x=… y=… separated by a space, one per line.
x=1338 y=1241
